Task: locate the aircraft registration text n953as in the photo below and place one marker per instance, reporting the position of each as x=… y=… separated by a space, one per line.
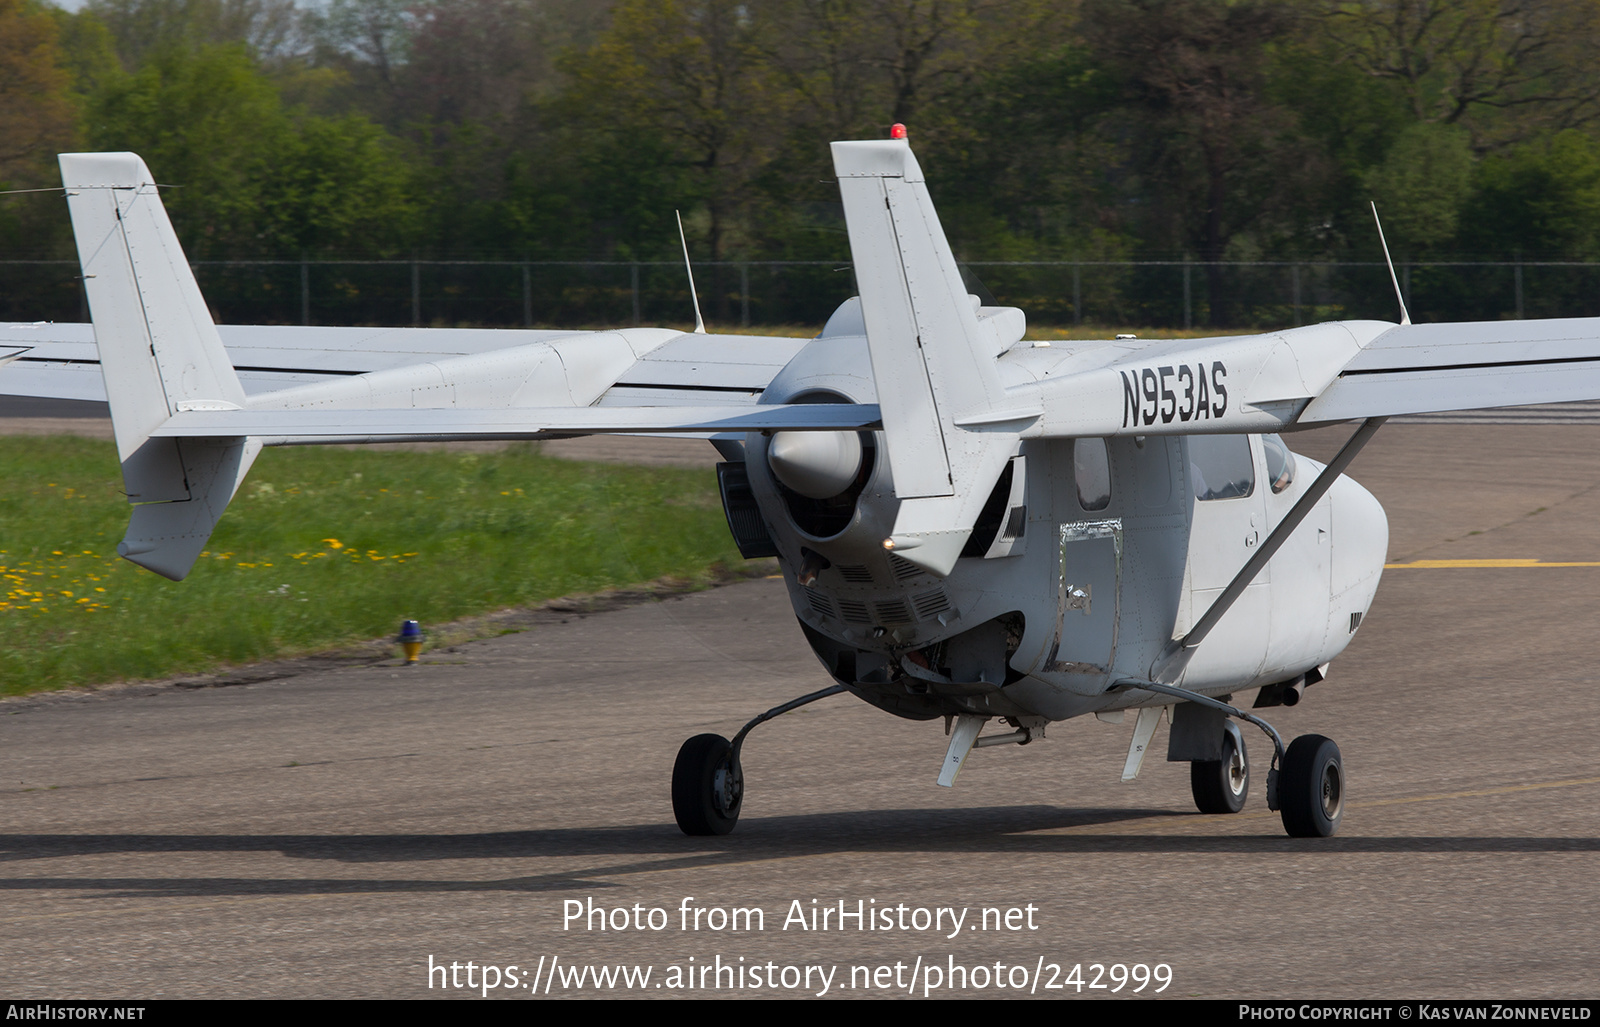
x=1162 y=394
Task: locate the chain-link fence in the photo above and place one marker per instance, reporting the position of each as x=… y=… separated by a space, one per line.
x=733 y=294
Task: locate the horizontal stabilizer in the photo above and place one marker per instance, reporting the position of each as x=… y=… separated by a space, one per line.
x=514 y=423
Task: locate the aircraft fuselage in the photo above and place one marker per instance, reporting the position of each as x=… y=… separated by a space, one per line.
x=1090 y=556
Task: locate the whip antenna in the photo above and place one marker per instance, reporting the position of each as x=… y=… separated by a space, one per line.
x=699 y=325
x=1405 y=318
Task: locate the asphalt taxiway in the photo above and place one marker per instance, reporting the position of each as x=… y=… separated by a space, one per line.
x=329 y=833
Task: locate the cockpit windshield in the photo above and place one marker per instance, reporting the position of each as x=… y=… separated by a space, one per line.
x=1280 y=463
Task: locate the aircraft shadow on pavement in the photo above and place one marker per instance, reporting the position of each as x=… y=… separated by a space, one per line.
x=1011 y=830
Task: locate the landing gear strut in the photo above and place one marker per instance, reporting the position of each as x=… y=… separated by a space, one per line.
x=1305 y=784
x=708 y=781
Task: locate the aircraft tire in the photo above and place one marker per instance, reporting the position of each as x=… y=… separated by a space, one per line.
x=1311 y=787
x=702 y=767
x=1221 y=786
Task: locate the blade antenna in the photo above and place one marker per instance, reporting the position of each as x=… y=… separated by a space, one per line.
x=1405 y=318
x=699 y=325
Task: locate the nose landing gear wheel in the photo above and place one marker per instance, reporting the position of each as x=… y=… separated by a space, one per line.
x=1221 y=786
x=1311 y=787
x=707 y=786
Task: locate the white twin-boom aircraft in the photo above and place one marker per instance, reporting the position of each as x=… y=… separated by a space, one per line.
x=971 y=526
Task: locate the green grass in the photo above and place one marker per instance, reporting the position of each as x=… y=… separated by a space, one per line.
x=323 y=546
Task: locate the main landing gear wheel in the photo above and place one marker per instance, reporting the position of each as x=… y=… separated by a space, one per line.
x=707 y=786
x=1311 y=787
x=1221 y=786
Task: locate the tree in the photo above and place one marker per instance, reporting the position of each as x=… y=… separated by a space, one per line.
x=88 y=51
x=1505 y=70
x=697 y=76
x=142 y=28
x=856 y=67
x=1216 y=150
x=370 y=42
x=1421 y=185
x=206 y=121
x=1035 y=140
x=38 y=113
x=485 y=60
x=865 y=64
x=254 y=179
x=1540 y=200
x=36 y=109
x=338 y=186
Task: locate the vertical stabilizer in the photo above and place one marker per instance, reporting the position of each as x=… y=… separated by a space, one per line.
x=947 y=434
x=159 y=354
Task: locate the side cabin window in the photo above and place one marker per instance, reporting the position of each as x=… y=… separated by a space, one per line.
x=1280 y=463
x=1091 y=465
x=1220 y=466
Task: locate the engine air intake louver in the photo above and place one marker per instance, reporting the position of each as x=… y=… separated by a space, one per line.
x=744 y=516
x=892 y=611
x=854 y=611
x=903 y=568
x=931 y=604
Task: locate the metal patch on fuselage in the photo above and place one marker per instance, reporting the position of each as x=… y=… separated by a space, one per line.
x=1091 y=555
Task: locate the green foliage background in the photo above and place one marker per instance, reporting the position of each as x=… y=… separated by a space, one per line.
x=1212 y=130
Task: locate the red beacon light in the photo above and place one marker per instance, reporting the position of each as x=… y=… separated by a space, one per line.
x=897 y=131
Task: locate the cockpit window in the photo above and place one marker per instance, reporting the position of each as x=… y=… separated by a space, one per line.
x=1280 y=463
x=1220 y=466
x=1092 y=467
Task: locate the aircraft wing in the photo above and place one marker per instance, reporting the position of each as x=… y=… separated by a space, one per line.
x=1414 y=369
x=55 y=361
x=1301 y=377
